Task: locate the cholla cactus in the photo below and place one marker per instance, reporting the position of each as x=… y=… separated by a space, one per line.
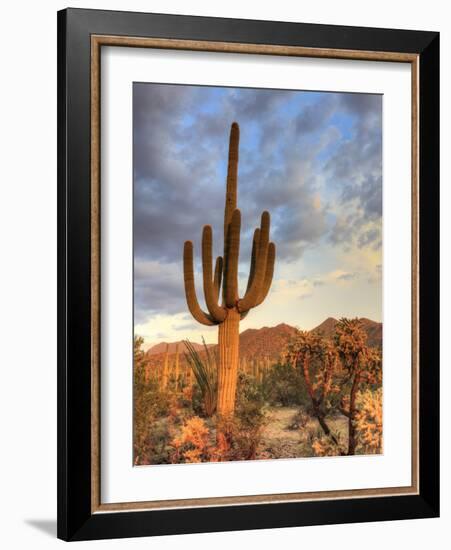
x=228 y=312
x=362 y=364
x=316 y=358
x=369 y=421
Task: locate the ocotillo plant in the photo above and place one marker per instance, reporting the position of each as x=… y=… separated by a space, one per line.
x=228 y=312
x=205 y=371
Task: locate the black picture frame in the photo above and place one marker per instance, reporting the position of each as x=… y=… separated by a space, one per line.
x=76 y=521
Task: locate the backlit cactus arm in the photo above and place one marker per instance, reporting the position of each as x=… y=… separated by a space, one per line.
x=252 y=295
x=190 y=290
x=253 y=258
x=218 y=276
x=216 y=311
x=268 y=273
x=253 y=262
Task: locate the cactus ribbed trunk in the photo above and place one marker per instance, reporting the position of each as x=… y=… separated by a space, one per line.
x=228 y=344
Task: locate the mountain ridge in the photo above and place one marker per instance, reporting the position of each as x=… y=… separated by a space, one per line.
x=269 y=342
x=161 y=347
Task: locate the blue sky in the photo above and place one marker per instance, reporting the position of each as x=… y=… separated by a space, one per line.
x=312 y=159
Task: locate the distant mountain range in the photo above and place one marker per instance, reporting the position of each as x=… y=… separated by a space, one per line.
x=265 y=342
x=268 y=342
x=373 y=330
x=161 y=347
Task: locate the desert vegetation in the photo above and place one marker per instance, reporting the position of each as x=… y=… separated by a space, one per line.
x=306 y=394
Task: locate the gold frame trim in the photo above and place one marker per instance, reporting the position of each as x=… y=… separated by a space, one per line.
x=97 y=41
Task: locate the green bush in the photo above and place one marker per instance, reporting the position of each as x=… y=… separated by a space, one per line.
x=197 y=402
x=284 y=386
x=244 y=432
x=158 y=442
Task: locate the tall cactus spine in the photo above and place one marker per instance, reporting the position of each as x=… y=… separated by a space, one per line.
x=231 y=309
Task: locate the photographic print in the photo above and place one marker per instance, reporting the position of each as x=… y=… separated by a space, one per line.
x=257 y=233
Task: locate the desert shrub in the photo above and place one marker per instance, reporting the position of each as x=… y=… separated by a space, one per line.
x=143 y=407
x=284 y=386
x=155 y=413
x=250 y=403
x=235 y=439
x=159 y=443
x=163 y=402
x=185 y=397
x=193 y=444
x=324 y=445
x=239 y=438
x=249 y=389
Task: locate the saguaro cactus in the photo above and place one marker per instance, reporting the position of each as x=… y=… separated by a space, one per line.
x=165 y=374
x=176 y=366
x=232 y=308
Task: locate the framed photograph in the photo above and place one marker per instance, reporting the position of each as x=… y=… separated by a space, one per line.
x=248 y=274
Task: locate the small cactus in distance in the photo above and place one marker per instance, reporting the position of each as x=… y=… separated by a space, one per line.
x=176 y=366
x=165 y=373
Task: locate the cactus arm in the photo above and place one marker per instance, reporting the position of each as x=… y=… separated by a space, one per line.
x=252 y=295
x=253 y=258
x=218 y=276
x=268 y=273
x=253 y=261
x=190 y=290
x=216 y=311
x=231 y=266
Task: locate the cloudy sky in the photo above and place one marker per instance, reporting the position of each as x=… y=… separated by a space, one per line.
x=312 y=159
